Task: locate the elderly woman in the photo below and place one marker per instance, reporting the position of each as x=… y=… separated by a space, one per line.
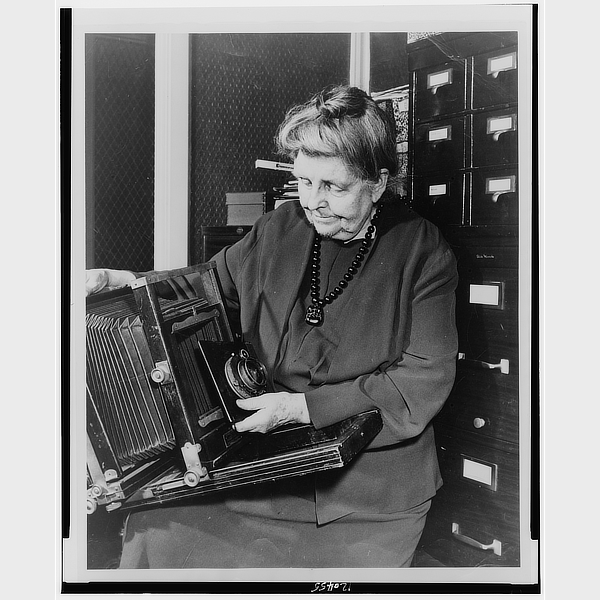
x=348 y=299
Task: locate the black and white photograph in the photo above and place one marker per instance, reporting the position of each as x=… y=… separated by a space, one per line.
x=303 y=339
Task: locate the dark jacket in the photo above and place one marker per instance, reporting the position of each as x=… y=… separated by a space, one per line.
x=397 y=351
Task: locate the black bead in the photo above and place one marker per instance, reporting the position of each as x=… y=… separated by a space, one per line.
x=316 y=319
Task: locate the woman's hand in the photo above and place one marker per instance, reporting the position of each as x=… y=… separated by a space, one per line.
x=97 y=280
x=273 y=410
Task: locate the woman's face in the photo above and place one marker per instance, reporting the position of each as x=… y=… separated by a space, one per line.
x=338 y=205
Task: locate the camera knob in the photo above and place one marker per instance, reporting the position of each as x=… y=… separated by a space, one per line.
x=91 y=506
x=161 y=372
x=96 y=491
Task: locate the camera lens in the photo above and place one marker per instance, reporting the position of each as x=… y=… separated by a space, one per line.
x=252 y=373
x=246 y=375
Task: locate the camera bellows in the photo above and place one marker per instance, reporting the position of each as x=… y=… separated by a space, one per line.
x=132 y=410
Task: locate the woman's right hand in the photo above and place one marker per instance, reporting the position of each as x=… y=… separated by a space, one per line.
x=97 y=280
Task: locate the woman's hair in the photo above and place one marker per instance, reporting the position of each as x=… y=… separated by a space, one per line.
x=342 y=122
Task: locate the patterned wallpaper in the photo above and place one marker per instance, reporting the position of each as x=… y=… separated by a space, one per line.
x=120 y=151
x=241 y=87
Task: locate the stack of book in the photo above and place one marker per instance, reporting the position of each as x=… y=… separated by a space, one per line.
x=288 y=191
x=285 y=193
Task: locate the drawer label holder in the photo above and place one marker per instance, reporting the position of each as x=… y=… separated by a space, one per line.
x=496 y=186
x=490 y=294
x=497 y=64
x=479 y=471
x=439 y=79
x=496 y=126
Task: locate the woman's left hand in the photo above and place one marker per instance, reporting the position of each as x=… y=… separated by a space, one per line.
x=273 y=410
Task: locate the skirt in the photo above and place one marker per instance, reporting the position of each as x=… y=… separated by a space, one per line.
x=268 y=528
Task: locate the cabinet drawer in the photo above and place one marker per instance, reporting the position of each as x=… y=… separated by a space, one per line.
x=478 y=503
x=440 y=90
x=495 y=77
x=495 y=197
x=440 y=146
x=446 y=522
x=488 y=476
x=482 y=408
x=495 y=138
x=487 y=303
x=440 y=197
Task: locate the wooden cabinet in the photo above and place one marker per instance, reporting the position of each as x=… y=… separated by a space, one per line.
x=464 y=177
x=213 y=239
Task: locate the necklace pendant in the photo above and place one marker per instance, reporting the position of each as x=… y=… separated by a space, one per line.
x=314 y=315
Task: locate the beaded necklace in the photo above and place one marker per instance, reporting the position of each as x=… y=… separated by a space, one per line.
x=314 y=313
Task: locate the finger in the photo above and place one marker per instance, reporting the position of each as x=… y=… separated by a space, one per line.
x=253 y=423
x=250 y=403
x=261 y=401
x=95 y=280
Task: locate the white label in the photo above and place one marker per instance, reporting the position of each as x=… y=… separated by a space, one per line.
x=484 y=294
x=502 y=63
x=499 y=185
x=437 y=79
x=500 y=124
x=438 y=190
x=477 y=472
x=441 y=133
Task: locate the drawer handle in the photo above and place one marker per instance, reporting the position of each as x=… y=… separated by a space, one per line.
x=496 y=186
x=496 y=545
x=503 y=366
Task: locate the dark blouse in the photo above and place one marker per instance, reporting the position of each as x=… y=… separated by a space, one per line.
x=306 y=349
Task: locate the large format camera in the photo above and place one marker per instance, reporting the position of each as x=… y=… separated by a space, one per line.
x=163 y=373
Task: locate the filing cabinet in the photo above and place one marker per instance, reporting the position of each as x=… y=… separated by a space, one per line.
x=463 y=176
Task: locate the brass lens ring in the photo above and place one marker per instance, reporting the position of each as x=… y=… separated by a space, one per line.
x=246 y=376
